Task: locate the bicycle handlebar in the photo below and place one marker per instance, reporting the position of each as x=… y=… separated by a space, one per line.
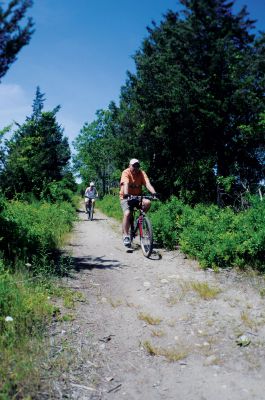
x=148 y=197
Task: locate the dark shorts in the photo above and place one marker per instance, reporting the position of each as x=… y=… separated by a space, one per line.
x=126 y=205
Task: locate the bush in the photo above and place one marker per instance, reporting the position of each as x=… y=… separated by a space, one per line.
x=215 y=237
x=166 y=221
x=110 y=205
x=34 y=231
x=223 y=238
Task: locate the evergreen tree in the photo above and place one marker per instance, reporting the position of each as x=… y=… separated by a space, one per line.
x=194 y=105
x=38 y=154
x=38 y=104
x=12 y=36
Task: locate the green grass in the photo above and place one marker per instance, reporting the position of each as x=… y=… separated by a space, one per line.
x=110 y=205
x=27 y=308
x=31 y=235
x=25 y=311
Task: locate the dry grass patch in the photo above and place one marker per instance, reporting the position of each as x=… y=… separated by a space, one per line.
x=115 y=303
x=158 y=333
x=149 y=319
x=204 y=290
x=247 y=320
x=171 y=354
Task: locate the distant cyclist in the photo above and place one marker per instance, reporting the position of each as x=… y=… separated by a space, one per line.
x=132 y=180
x=90 y=194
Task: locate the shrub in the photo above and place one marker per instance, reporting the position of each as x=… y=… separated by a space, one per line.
x=222 y=238
x=34 y=231
x=166 y=221
x=110 y=205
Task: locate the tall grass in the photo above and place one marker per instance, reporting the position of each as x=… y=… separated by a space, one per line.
x=110 y=205
x=25 y=311
x=30 y=237
x=34 y=232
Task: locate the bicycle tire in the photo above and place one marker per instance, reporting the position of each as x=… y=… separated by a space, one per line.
x=146 y=237
x=91 y=212
x=133 y=229
x=88 y=211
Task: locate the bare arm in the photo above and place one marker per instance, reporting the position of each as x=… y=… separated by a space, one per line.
x=150 y=188
x=125 y=188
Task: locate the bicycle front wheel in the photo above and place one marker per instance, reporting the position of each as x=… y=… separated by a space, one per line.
x=146 y=237
x=91 y=212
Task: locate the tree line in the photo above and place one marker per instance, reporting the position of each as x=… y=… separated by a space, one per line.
x=193 y=112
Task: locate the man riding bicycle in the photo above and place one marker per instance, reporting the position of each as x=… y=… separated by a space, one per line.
x=132 y=180
x=90 y=195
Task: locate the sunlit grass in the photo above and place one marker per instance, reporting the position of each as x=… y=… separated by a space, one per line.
x=149 y=319
x=203 y=289
x=171 y=354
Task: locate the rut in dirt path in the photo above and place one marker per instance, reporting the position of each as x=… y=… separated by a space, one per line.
x=158 y=328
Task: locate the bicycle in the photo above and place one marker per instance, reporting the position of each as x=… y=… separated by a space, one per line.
x=141 y=225
x=89 y=208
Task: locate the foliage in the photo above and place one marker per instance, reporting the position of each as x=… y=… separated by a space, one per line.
x=110 y=205
x=34 y=232
x=12 y=36
x=27 y=307
x=94 y=146
x=194 y=108
x=25 y=311
x=215 y=237
x=37 y=154
x=165 y=220
x=59 y=191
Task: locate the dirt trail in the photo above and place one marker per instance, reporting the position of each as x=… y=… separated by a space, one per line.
x=136 y=306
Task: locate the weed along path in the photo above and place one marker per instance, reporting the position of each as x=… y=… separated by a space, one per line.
x=159 y=328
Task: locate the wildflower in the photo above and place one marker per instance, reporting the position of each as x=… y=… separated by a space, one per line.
x=8 y=319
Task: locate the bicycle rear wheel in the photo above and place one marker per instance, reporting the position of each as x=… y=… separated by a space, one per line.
x=88 y=211
x=146 y=237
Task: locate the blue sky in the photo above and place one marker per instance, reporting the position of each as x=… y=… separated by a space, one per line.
x=79 y=55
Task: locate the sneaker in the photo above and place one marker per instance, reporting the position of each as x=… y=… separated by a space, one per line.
x=126 y=241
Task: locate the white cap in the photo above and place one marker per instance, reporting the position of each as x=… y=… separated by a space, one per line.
x=134 y=161
x=92 y=184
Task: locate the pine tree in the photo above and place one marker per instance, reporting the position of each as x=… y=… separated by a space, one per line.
x=37 y=154
x=194 y=105
x=12 y=36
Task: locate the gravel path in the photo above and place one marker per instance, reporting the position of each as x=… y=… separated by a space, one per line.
x=158 y=328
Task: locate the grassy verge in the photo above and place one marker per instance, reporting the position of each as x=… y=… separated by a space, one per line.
x=25 y=311
x=30 y=238
x=110 y=205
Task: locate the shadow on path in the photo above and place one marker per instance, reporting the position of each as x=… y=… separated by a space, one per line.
x=96 y=219
x=86 y=262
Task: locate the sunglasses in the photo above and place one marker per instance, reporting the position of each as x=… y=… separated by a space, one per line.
x=136 y=165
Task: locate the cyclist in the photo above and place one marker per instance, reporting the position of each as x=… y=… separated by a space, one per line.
x=90 y=194
x=132 y=180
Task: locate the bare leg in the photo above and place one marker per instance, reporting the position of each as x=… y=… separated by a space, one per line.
x=126 y=223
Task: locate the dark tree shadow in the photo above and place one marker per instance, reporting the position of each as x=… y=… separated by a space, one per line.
x=89 y=263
